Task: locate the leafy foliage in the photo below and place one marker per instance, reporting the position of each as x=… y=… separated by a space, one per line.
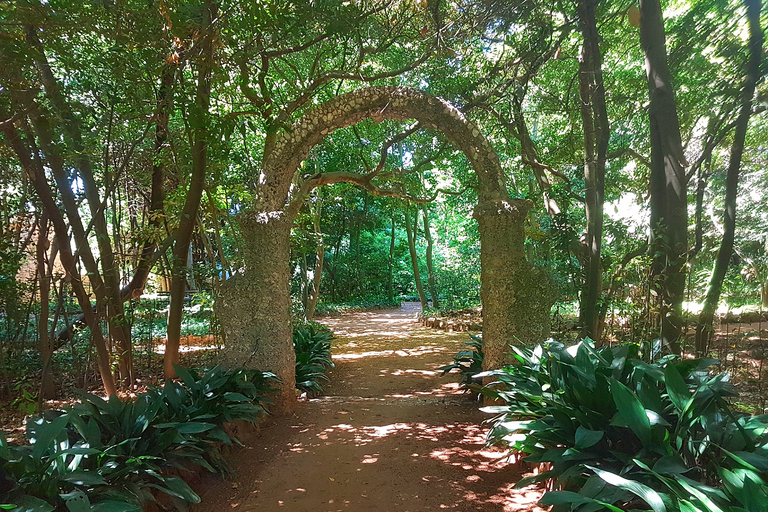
x=468 y=362
x=618 y=431
x=312 y=343
x=111 y=455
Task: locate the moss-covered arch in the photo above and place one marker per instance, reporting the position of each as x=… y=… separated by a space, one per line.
x=254 y=306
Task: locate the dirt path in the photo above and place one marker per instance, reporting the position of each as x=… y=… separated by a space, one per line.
x=391 y=435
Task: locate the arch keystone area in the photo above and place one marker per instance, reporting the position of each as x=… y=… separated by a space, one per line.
x=254 y=305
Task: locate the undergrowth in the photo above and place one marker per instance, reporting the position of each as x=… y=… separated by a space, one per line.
x=116 y=455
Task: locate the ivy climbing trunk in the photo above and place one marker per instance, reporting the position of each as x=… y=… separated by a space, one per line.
x=668 y=181
x=254 y=306
x=704 y=329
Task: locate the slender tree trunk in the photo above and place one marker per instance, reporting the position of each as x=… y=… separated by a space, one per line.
x=668 y=182
x=107 y=288
x=704 y=327
x=314 y=295
x=430 y=267
x=225 y=267
x=189 y=213
x=47 y=389
x=764 y=294
x=410 y=229
x=391 y=263
x=149 y=253
x=596 y=135
x=36 y=172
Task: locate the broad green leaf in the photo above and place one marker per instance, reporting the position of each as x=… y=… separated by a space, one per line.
x=77 y=502
x=87 y=478
x=32 y=504
x=180 y=489
x=640 y=490
x=575 y=499
x=677 y=389
x=586 y=438
x=632 y=411
x=45 y=434
x=702 y=494
x=670 y=465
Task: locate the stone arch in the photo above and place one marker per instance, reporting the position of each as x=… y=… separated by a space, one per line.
x=378 y=103
x=254 y=306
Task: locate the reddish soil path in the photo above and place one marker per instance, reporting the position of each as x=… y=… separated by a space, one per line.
x=391 y=435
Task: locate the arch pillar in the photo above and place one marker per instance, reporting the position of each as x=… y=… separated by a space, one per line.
x=254 y=306
x=516 y=296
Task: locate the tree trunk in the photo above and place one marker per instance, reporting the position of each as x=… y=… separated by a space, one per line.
x=704 y=327
x=391 y=264
x=254 y=307
x=47 y=389
x=764 y=294
x=107 y=285
x=314 y=295
x=596 y=134
x=410 y=230
x=516 y=296
x=668 y=182
x=36 y=172
x=199 y=152
x=430 y=267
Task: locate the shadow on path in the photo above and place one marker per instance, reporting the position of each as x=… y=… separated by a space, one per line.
x=391 y=434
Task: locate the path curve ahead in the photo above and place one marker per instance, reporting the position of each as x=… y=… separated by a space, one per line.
x=391 y=434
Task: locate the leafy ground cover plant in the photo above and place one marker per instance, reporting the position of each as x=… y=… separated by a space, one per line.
x=620 y=433
x=468 y=362
x=312 y=343
x=112 y=455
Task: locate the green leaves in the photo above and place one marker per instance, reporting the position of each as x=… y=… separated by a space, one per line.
x=616 y=429
x=648 y=495
x=632 y=411
x=312 y=344
x=112 y=452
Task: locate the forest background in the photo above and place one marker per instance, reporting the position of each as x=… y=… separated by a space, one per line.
x=133 y=131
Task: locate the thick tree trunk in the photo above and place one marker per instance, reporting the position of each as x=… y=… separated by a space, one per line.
x=186 y=227
x=704 y=327
x=516 y=296
x=255 y=307
x=668 y=182
x=430 y=267
x=596 y=135
x=411 y=227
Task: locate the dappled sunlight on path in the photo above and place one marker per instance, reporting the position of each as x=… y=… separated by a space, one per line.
x=392 y=434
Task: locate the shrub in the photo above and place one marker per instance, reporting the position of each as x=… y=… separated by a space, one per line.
x=468 y=362
x=110 y=455
x=312 y=343
x=621 y=433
